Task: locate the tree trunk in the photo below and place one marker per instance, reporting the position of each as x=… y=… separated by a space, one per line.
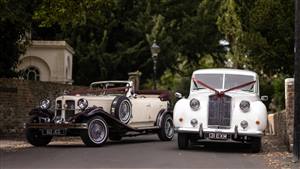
x=296 y=149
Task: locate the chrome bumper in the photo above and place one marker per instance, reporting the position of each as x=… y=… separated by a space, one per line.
x=234 y=132
x=56 y=126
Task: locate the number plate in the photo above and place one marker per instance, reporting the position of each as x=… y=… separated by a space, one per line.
x=217 y=136
x=54 y=132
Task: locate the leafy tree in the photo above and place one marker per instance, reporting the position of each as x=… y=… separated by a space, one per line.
x=269 y=38
x=112 y=38
x=230 y=24
x=15 y=21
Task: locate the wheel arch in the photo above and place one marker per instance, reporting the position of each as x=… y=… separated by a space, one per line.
x=160 y=116
x=98 y=111
x=41 y=112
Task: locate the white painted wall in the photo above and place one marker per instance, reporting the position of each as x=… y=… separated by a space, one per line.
x=52 y=58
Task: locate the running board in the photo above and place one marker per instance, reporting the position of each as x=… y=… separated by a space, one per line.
x=145 y=128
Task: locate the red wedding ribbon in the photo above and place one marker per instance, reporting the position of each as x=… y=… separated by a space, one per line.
x=221 y=93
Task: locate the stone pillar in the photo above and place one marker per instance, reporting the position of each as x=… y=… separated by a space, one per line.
x=289 y=109
x=135 y=77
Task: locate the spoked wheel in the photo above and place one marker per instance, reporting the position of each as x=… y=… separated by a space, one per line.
x=35 y=137
x=121 y=108
x=166 y=133
x=97 y=132
x=124 y=112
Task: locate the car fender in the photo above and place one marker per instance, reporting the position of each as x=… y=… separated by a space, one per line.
x=160 y=116
x=260 y=111
x=41 y=113
x=88 y=113
x=98 y=111
x=181 y=110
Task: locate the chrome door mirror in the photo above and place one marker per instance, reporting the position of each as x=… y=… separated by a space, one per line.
x=178 y=95
x=264 y=98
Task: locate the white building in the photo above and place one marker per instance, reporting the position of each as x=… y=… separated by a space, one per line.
x=47 y=61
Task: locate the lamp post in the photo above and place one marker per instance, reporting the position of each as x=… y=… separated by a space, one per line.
x=155 y=49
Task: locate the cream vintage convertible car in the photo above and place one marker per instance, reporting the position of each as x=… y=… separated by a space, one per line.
x=223 y=106
x=109 y=109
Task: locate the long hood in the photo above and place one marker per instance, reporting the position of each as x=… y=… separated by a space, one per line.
x=99 y=101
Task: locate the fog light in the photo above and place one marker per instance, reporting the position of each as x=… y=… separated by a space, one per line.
x=194 y=122
x=244 y=124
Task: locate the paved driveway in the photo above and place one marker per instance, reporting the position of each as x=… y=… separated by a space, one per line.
x=138 y=152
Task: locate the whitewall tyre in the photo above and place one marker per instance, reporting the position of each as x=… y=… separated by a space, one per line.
x=97 y=132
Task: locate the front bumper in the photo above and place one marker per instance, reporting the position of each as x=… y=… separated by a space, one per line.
x=235 y=132
x=56 y=126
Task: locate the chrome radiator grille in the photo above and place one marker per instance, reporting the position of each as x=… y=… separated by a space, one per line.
x=219 y=111
x=65 y=109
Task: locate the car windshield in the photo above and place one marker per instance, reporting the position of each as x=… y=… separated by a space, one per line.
x=213 y=80
x=216 y=81
x=110 y=87
x=232 y=80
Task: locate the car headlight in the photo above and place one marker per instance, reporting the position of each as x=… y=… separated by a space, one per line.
x=195 y=104
x=194 y=122
x=245 y=106
x=82 y=104
x=44 y=104
x=244 y=124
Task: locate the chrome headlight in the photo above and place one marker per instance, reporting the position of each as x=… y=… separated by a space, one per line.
x=245 y=106
x=244 y=124
x=195 y=104
x=82 y=104
x=194 y=122
x=44 y=104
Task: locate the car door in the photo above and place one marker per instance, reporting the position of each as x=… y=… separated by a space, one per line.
x=156 y=105
x=140 y=112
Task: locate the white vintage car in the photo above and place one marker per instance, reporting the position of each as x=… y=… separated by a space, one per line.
x=109 y=109
x=223 y=105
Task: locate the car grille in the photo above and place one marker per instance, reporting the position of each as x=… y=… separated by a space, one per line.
x=58 y=108
x=67 y=109
x=219 y=110
x=70 y=109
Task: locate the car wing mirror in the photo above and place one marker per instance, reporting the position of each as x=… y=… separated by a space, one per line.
x=178 y=95
x=264 y=98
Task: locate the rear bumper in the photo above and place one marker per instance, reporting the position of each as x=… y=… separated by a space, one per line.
x=56 y=126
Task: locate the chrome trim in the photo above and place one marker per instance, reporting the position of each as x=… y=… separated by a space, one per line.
x=235 y=132
x=196 y=131
x=57 y=126
x=201 y=130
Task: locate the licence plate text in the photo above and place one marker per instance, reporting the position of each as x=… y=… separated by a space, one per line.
x=217 y=136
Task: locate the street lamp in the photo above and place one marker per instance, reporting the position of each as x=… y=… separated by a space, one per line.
x=155 y=49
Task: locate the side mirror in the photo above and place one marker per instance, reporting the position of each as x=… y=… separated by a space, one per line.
x=264 y=98
x=178 y=95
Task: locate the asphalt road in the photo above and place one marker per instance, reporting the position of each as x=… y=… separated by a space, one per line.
x=136 y=152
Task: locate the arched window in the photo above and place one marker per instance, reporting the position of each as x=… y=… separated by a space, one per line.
x=31 y=73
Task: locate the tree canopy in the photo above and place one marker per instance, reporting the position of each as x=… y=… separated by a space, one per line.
x=112 y=38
